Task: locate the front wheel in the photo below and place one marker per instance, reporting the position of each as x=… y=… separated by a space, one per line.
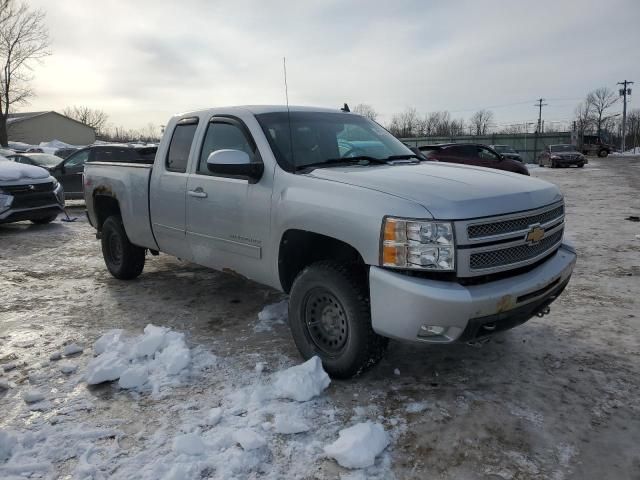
x=603 y=153
x=330 y=316
x=124 y=260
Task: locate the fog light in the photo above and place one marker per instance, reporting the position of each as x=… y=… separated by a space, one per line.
x=431 y=331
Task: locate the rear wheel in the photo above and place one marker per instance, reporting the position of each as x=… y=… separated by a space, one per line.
x=329 y=316
x=580 y=165
x=44 y=220
x=603 y=153
x=554 y=164
x=124 y=260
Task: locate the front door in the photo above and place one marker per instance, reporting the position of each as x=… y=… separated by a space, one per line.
x=488 y=158
x=69 y=174
x=228 y=218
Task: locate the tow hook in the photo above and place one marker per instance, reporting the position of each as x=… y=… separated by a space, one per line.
x=544 y=311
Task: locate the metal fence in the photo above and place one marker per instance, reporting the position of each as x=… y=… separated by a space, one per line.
x=529 y=145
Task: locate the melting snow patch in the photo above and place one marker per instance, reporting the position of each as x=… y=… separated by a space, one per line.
x=7 y=443
x=286 y=424
x=33 y=396
x=68 y=368
x=359 y=445
x=248 y=439
x=275 y=314
x=302 y=382
x=189 y=444
x=416 y=407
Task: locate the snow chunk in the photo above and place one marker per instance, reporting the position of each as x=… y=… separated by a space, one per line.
x=9 y=366
x=302 y=382
x=105 y=368
x=359 y=445
x=33 y=396
x=175 y=357
x=396 y=371
x=55 y=356
x=270 y=315
x=151 y=341
x=4 y=384
x=72 y=349
x=7 y=444
x=108 y=341
x=416 y=407
x=134 y=377
x=287 y=425
x=189 y=444
x=259 y=367
x=248 y=439
x=215 y=414
x=68 y=368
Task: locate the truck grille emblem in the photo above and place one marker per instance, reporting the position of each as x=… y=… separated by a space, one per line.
x=534 y=235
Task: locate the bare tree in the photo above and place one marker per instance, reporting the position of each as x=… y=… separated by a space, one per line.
x=599 y=101
x=583 y=118
x=91 y=117
x=405 y=124
x=366 y=111
x=24 y=39
x=481 y=121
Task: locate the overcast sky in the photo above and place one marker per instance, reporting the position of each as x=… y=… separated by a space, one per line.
x=143 y=60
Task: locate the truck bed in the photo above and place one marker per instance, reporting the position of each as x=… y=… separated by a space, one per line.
x=128 y=183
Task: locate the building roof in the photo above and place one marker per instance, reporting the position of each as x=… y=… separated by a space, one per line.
x=22 y=116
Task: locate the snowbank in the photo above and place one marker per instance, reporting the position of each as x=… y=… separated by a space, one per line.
x=12 y=172
x=358 y=446
x=147 y=361
x=302 y=382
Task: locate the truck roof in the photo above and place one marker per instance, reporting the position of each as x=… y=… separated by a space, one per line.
x=258 y=109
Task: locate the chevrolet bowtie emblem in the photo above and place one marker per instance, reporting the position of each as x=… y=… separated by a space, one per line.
x=534 y=235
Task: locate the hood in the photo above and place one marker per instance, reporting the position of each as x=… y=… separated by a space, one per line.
x=14 y=173
x=449 y=191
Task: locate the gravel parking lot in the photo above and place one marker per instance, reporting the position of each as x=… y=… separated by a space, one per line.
x=556 y=398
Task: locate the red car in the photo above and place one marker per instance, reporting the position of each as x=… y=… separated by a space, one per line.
x=472 y=154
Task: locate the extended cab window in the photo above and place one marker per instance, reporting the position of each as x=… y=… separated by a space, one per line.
x=224 y=136
x=180 y=145
x=77 y=159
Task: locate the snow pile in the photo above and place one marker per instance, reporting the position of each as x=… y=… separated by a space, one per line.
x=13 y=172
x=359 y=445
x=151 y=360
x=275 y=314
x=302 y=382
x=7 y=443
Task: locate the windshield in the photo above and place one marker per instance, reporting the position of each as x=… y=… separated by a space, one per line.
x=44 y=159
x=503 y=149
x=562 y=148
x=317 y=137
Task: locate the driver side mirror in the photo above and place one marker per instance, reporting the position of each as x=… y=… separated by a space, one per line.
x=236 y=163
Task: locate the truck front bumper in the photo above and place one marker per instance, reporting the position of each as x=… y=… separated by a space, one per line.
x=424 y=310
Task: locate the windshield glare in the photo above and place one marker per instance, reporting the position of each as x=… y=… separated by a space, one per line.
x=563 y=148
x=315 y=137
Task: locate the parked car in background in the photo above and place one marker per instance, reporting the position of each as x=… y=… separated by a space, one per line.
x=44 y=160
x=69 y=171
x=5 y=152
x=594 y=145
x=28 y=192
x=565 y=155
x=472 y=154
x=507 y=152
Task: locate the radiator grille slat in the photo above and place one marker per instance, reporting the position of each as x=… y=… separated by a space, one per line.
x=513 y=225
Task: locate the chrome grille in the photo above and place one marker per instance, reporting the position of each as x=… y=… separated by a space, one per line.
x=513 y=225
x=512 y=255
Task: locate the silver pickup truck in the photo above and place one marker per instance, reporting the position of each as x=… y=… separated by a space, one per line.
x=370 y=241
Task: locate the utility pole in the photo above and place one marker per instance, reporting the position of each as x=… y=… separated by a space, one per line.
x=624 y=91
x=539 y=129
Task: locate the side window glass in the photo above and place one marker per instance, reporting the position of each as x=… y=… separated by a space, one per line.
x=487 y=154
x=180 y=145
x=103 y=155
x=223 y=136
x=78 y=159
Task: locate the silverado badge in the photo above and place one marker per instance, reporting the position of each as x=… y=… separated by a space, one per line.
x=534 y=235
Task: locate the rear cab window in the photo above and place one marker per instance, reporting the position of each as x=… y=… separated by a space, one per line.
x=180 y=146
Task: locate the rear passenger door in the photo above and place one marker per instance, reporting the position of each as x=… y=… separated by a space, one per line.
x=168 y=190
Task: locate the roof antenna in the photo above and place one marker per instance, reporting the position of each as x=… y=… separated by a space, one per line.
x=345 y=108
x=286 y=94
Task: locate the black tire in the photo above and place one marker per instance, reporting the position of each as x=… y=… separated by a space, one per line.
x=580 y=165
x=330 y=316
x=124 y=260
x=603 y=153
x=44 y=220
x=553 y=164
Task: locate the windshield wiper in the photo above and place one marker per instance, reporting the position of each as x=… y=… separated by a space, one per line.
x=360 y=160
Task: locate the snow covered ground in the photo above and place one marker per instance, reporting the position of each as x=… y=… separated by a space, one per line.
x=205 y=382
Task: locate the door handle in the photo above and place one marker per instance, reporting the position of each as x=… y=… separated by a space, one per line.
x=198 y=193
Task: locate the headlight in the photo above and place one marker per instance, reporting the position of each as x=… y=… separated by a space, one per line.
x=55 y=183
x=419 y=245
x=555 y=157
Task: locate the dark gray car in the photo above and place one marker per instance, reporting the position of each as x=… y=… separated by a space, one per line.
x=564 y=155
x=507 y=152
